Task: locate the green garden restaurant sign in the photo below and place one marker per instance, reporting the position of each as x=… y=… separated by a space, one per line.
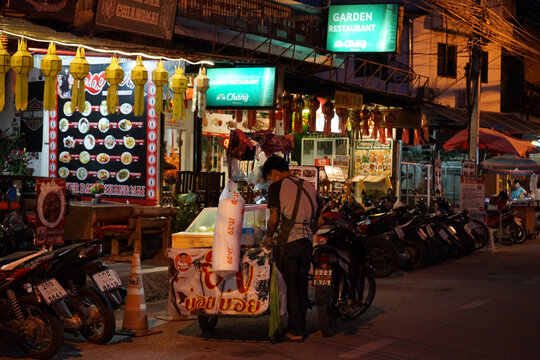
x=364 y=28
x=241 y=88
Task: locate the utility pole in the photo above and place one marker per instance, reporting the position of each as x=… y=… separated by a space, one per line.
x=474 y=76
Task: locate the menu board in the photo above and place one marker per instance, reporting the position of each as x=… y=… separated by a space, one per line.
x=373 y=158
x=51 y=205
x=308 y=173
x=117 y=149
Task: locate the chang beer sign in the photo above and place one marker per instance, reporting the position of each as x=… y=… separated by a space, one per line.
x=241 y=88
x=364 y=28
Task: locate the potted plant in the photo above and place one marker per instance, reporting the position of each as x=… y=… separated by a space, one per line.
x=97 y=191
x=17 y=162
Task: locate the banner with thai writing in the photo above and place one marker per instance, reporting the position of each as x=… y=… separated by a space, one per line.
x=92 y=145
x=195 y=288
x=50 y=208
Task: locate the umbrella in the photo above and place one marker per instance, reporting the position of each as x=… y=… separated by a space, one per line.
x=511 y=164
x=491 y=140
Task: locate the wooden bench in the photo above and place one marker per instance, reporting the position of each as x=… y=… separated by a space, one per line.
x=154 y=221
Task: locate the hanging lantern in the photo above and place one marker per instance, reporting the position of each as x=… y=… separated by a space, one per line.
x=405 y=136
x=328 y=111
x=298 y=107
x=160 y=78
x=343 y=115
x=389 y=119
x=287 y=106
x=313 y=105
x=252 y=118
x=365 y=115
x=238 y=116
x=418 y=138
x=425 y=128
x=272 y=119
x=376 y=116
x=5 y=65
x=179 y=85
x=51 y=65
x=114 y=75
x=21 y=62
x=356 y=123
x=139 y=76
x=79 y=69
x=201 y=84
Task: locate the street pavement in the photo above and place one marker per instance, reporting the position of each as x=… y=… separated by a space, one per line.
x=483 y=306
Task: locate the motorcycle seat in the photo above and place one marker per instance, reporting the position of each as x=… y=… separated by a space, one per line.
x=376 y=216
x=14 y=257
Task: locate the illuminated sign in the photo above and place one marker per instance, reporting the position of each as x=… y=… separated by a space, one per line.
x=241 y=88
x=364 y=28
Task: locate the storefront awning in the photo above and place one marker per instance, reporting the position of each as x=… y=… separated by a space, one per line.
x=507 y=123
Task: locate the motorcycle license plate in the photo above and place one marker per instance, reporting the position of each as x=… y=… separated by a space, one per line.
x=468 y=229
x=107 y=280
x=399 y=232
x=422 y=234
x=518 y=221
x=443 y=234
x=322 y=277
x=430 y=231
x=51 y=291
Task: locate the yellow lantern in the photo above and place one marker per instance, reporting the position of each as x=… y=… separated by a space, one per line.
x=21 y=62
x=114 y=74
x=79 y=69
x=51 y=65
x=201 y=84
x=5 y=65
x=160 y=77
x=139 y=76
x=179 y=85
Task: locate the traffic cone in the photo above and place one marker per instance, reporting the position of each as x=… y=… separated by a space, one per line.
x=135 y=322
x=490 y=246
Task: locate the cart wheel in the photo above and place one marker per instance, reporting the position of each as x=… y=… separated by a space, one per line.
x=207 y=323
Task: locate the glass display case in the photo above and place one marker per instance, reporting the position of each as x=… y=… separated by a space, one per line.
x=200 y=232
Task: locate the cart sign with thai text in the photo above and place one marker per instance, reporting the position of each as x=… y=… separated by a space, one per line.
x=50 y=208
x=147 y=17
x=363 y=28
x=241 y=88
x=197 y=289
x=119 y=150
x=472 y=195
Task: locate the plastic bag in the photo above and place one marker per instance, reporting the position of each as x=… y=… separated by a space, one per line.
x=228 y=231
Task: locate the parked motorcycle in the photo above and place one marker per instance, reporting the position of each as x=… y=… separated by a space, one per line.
x=344 y=283
x=26 y=316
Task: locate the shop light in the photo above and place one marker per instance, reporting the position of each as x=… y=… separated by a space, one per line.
x=105 y=51
x=536 y=143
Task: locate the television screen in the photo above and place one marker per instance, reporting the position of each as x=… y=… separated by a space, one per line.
x=363 y=28
x=241 y=88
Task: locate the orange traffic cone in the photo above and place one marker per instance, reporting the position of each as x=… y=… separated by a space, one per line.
x=135 y=319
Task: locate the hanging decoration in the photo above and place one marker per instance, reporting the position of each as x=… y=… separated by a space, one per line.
x=298 y=107
x=114 y=75
x=287 y=108
x=201 y=84
x=51 y=65
x=238 y=115
x=272 y=119
x=343 y=115
x=389 y=119
x=418 y=138
x=139 y=76
x=382 y=131
x=5 y=65
x=313 y=106
x=160 y=78
x=21 y=62
x=405 y=136
x=425 y=128
x=356 y=123
x=252 y=119
x=179 y=85
x=365 y=115
x=376 y=116
x=328 y=111
x=79 y=69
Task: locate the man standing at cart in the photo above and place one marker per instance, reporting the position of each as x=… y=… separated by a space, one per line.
x=293 y=204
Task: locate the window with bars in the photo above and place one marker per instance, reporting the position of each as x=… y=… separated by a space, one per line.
x=318 y=148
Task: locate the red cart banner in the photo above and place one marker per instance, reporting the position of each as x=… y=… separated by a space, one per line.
x=51 y=205
x=197 y=289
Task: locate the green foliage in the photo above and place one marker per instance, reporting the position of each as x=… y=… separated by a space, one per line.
x=8 y=143
x=375 y=194
x=187 y=211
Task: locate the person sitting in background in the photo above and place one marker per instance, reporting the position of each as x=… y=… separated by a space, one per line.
x=518 y=191
x=501 y=201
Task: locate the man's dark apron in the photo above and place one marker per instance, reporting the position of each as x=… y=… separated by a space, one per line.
x=288 y=224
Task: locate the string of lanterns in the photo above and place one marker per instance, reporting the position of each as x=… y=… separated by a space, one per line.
x=22 y=62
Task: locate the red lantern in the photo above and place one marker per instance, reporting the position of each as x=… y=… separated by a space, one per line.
x=287 y=106
x=376 y=117
x=272 y=119
x=252 y=118
x=313 y=105
x=365 y=115
x=239 y=114
x=328 y=111
x=298 y=107
x=343 y=115
x=390 y=117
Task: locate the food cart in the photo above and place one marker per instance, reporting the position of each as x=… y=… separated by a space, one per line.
x=197 y=290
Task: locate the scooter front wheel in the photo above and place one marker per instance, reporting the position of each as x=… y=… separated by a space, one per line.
x=99 y=326
x=382 y=255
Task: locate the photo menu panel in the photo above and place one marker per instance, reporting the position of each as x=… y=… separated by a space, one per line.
x=119 y=150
